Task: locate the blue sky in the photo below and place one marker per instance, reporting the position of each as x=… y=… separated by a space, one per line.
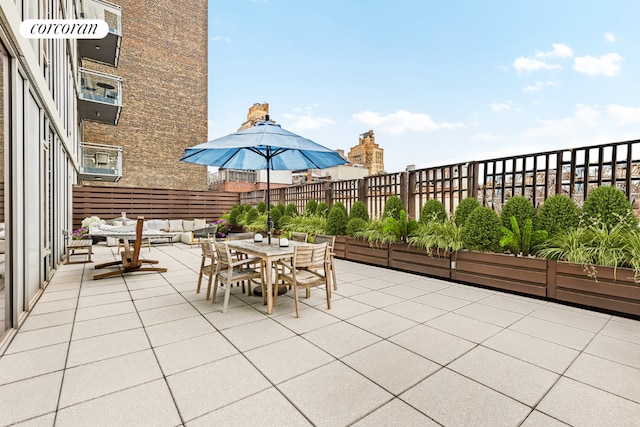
x=439 y=82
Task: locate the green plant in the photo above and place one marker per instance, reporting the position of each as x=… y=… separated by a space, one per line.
x=359 y=210
x=387 y=230
x=262 y=207
x=433 y=210
x=445 y=235
x=521 y=241
x=283 y=221
x=392 y=207
x=354 y=225
x=233 y=215
x=337 y=221
x=306 y=224
x=558 y=213
x=464 y=208
x=252 y=215
x=311 y=208
x=322 y=209
x=276 y=213
x=481 y=231
x=521 y=208
x=608 y=205
x=257 y=224
x=340 y=205
x=291 y=210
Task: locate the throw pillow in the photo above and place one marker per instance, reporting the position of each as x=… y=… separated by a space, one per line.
x=175 y=226
x=165 y=225
x=199 y=223
x=187 y=225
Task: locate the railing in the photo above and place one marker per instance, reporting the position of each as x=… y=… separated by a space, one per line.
x=100 y=96
x=99 y=162
x=107 y=49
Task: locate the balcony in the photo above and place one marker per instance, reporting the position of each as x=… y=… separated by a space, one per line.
x=100 y=97
x=106 y=50
x=99 y=162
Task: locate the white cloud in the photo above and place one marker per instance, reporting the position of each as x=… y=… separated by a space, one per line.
x=497 y=108
x=624 y=115
x=607 y=65
x=221 y=39
x=531 y=64
x=559 y=51
x=483 y=136
x=537 y=86
x=301 y=122
x=609 y=38
x=402 y=121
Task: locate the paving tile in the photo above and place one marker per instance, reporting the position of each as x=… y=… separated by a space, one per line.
x=52 y=295
x=47 y=320
x=46 y=420
x=288 y=358
x=103 y=288
x=103 y=299
x=152 y=292
x=545 y=354
x=167 y=314
x=203 y=389
x=54 y=306
x=397 y=277
x=257 y=409
x=495 y=316
x=350 y=289
x=31 y=363
x=378 y=299
x=511 y=303
x=538 y=419
x=396 y=413
x=309 y=320
x=106 y=346
x=616 y=350
x=451 y=399
x=234 y=317
x=627 y=331
x=464 y=327
x=467 y=293
x=443 y=302
x=334 y=394
x=428 y=284
x=606 y=375
x=340 y=339
x=566 y=317
x=553 y=332
x=404 y=291
x=25 y=399
x=178 y=330
x=86 y=382
x=105 y=325
x=414 y=311
x=148 y=404
x=382 y=323
x=159 y=301
x=374 y=283
x=43 y=337
x=519 y=380
x=107 y=310
x=256 y=334
x=433 y=344
x=582 y=405
x=391 y=366
x=348 y=308
x=192 y=352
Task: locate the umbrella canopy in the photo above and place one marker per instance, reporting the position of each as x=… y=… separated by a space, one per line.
x=264 y=146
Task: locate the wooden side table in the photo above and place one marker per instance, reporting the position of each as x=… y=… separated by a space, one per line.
x=79 y=247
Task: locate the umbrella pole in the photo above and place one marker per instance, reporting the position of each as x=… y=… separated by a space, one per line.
x=269 y=222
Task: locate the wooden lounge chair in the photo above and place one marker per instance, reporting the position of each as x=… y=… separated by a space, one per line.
x=131 y=261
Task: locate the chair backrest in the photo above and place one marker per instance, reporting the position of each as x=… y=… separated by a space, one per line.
x=133 y=259
x=325 y=238
x=207 y=249
x=224 y=255
x=299 y=237
x=309 y=256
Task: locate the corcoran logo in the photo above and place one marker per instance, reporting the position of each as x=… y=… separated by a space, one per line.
x=64 y=28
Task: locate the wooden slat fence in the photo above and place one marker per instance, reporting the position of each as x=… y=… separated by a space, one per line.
x=152 y=203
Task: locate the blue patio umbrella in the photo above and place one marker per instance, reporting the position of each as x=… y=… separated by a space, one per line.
x=264 y=146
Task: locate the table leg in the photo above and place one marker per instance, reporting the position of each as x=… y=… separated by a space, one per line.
x=268 y=273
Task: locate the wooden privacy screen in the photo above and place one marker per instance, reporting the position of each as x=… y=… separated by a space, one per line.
x=152 y=203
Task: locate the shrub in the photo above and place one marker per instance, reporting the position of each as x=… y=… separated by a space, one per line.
x=521 y=241
x=359 y=210
x=339 y=205
x=433 y=210
x=233 y=215
x=464 y=208
x=608 y=205
x=521 y=208
x=245 y=208
x=262 y=208
x=481 y=230
x=283 y=221
x=558 y=213
x=252 y=215
x=276 y=214
x=337 y=221
x=311 y=208
x=355 y=225
x=446 y=236
x=392 y=207
x=291 y=210
x=306 y=224
x=322 y=209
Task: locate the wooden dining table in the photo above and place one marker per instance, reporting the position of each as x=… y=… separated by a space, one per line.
x=269 y=253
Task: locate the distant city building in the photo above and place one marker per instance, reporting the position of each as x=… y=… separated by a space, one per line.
x=257 y=113
x=368 y=153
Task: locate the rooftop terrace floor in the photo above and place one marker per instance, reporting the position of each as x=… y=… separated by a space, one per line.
x=395 y=349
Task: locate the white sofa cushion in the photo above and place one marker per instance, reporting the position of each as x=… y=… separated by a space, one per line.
x=187 y=225
x=175 y=226
x=199 y=223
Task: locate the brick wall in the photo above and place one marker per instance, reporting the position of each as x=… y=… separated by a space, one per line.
x=163 y=64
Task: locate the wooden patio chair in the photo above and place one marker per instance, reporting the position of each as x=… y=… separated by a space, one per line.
x=231 y=271
x=299 y=237
x=308 y=269
x=131 y=261
x=208 y=265
x=331 y=241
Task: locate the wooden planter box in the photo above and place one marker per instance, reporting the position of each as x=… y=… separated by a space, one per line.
x=500 y=271
x=429 y=262
x=359 y=250
x=339 y=249
x=571 y=283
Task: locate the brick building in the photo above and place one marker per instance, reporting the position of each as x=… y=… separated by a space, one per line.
x=160 y=80
x=368 y=153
